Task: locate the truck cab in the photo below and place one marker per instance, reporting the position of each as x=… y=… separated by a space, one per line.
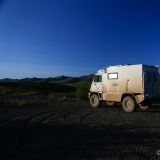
x=97 y=84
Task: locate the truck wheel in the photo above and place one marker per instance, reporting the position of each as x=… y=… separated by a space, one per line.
x=143 y=107
x=110 y=103
x=128 y=104
x=95 y=101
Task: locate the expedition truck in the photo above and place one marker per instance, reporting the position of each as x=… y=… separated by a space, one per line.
x=131 y=85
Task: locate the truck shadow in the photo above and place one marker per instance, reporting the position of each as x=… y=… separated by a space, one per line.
x=154 y=108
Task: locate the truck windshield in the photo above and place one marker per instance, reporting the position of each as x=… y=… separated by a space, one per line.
x=98 y=78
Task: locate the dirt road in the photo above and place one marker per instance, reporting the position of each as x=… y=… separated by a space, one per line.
x=74 y=130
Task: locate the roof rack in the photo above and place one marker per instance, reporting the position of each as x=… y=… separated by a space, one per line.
x=120 y=65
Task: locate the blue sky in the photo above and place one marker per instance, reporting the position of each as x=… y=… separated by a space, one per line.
x=46 y=38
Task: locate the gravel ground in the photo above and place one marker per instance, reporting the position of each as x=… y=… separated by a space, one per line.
x=74 y=130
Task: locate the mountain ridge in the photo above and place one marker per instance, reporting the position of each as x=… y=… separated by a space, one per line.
x=57 y=80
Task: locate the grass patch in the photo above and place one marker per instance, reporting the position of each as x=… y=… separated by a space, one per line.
x=17 y=94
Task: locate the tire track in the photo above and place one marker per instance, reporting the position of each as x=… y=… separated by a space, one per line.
x=30 y=116
x=58 y=116
x=40 y=118
x=10 y=117
x=84 y=116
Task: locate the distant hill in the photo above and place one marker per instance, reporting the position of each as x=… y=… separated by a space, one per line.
x=8 y=80
x=55 y=80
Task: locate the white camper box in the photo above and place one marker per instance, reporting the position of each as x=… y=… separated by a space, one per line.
x=133 y=85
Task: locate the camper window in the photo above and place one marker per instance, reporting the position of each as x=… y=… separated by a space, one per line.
x=112 y=75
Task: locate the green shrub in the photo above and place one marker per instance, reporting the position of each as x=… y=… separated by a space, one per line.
x=82 y=90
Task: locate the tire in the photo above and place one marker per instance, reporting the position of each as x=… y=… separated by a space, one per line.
x=95 y=101
x=143 y=107
x=110 y=103
x=128 y=104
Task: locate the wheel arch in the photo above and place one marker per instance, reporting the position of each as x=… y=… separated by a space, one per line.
x=130 y=95
x=100 y=95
